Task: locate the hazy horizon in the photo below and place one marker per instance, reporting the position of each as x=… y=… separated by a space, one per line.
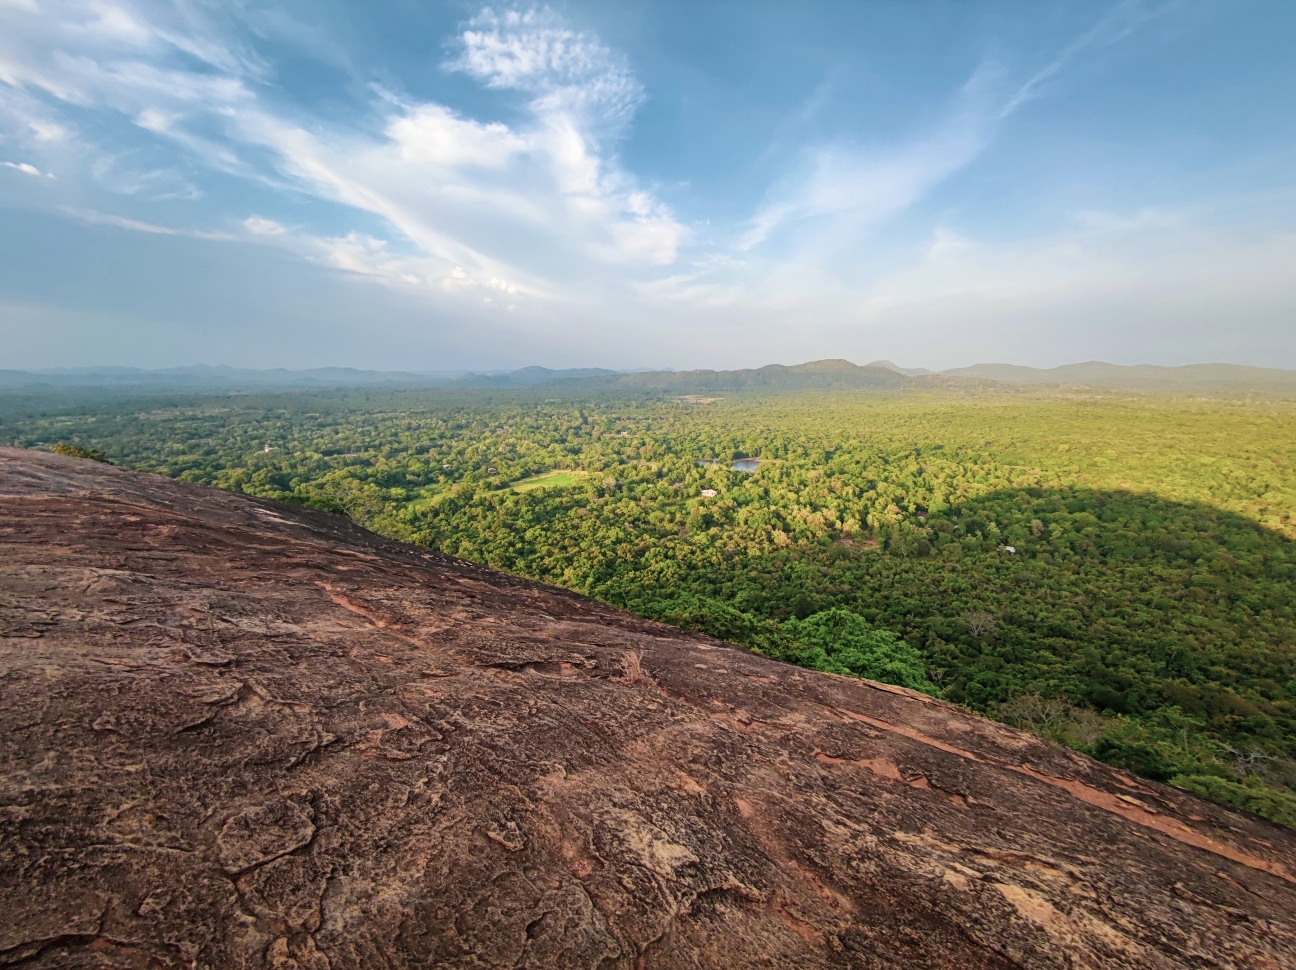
x=646 y=184
x=486 y=370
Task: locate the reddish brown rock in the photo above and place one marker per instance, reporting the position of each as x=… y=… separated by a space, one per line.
x=242 y=735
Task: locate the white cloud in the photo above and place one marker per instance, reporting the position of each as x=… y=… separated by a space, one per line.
x=947 y=244
x=859 y=186
x=123 y=175
x=1148 y=252
x=540 y=204
x=856 y=187
x=47 y=130
x=433 y=133
x=1118 y=22
x=116 y=23
x=263 y=227
x=533 y=51
x=158 y=122
x=27 y=168
x=1110 y=285
x=1120 y=280
x=94 y=218
x=1115 y=283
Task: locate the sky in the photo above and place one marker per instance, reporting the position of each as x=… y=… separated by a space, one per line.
x=436 y=186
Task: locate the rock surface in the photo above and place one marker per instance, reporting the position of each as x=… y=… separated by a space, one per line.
x=238 y=734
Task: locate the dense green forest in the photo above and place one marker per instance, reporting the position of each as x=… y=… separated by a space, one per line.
x=1115 y=573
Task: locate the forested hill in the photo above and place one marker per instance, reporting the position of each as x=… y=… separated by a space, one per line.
x=1190 y=379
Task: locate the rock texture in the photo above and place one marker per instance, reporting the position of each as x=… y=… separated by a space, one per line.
x=236 y=734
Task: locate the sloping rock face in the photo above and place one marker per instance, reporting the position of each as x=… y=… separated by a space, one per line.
x=241 y=735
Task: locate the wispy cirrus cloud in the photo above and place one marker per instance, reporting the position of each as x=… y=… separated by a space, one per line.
x=858 y=186
x=539 y=202
x=535 y=203
x=1116 y=23
x=92 y=217
x=861 y=186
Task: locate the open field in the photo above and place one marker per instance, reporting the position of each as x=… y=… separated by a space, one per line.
x=555 y=479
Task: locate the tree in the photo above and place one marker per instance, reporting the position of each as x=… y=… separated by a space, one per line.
x=842 y=642
x=979 y=623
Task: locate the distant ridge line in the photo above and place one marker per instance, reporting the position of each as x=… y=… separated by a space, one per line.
x=830 y=374
x=1142 y=377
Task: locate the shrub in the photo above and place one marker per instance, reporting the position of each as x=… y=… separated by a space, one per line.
x=76 y=451
x=842 y=642
x=1251 y=795
x=703 y=615
x=1134 y=756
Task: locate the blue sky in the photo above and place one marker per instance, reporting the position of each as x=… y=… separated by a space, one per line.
x=434 y=186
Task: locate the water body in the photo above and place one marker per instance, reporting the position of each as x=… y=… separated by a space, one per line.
x=748 y=465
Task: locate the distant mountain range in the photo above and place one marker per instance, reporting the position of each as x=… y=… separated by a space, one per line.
x=530 y=376
x=816 y=375
x=907 y=371
x=1212 y=379
x=1189 y=379
x=202 y=376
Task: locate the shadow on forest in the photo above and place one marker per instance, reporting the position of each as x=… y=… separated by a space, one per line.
x=1163 y=633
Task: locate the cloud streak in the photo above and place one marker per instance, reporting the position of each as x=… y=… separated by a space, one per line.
x=857 y=186
x=862 y=187
x=27 y=169
x=92 y=217
x=1117 y=23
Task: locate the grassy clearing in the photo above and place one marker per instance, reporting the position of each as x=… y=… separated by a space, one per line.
x=555 y=479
